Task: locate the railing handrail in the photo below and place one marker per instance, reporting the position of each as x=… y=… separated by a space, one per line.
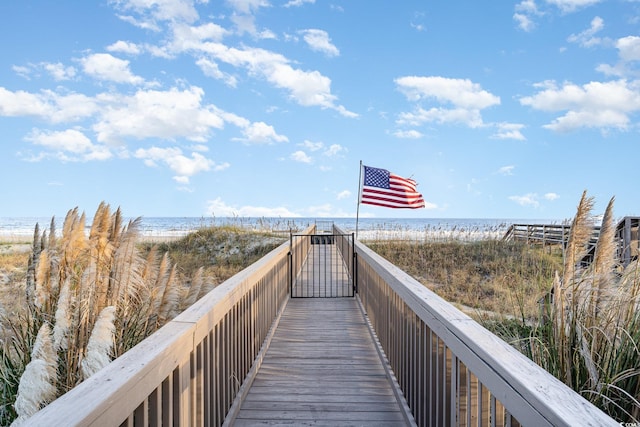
x=527 y=391
x=120 y=392
x=546 y=233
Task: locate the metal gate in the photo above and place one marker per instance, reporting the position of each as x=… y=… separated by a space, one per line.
x=326 y=266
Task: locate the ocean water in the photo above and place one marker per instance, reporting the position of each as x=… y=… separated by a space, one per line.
x=366 y=228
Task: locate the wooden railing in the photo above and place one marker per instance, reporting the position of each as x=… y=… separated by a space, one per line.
x=188 y=372
x=451 y=370
x=545 y=234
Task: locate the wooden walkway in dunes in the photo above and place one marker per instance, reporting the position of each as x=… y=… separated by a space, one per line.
x=322 y=368
x=256 y=351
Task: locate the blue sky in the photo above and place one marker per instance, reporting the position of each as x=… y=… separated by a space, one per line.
x=266 y=107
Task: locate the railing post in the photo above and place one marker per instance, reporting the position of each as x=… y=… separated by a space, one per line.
x=354 y=264
x=290 y=262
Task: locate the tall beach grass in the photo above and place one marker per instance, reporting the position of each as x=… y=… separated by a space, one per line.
x=579 y=320
x=591 y=339
x=89 y=297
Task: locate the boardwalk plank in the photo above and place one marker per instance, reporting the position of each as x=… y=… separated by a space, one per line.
x=316 y=423
x=322 y=368
x=313 y=414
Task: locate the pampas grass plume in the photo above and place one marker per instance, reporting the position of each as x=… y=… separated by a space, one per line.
x=37 y=384
x=100 y=344
x=63 y=318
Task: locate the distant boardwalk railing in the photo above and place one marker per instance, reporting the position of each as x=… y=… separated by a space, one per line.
x=545 y=234
x=626 y=235
x=452 y=371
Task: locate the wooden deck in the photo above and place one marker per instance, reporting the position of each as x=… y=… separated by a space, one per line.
x=322 y=368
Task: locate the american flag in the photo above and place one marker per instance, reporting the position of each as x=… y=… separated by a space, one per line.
x=382 y=188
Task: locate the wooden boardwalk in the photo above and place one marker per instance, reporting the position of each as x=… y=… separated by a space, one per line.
x=324 y=273
x=322 y=368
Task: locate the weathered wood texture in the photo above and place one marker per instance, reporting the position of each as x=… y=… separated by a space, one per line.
x=322 y=368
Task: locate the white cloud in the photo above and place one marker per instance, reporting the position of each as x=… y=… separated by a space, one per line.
x=300 y=156
x=587 y=37
x=509 y=131
x=48 y=105
x=144 y=23
x=22 y=70
x=525 y=23
x=331 y=151
x=151 y=12
x=21 y=103
x=471 y=118
x=527 y=11
x=59 y=71
x=188 y=37
x=183 y=166
x=417 y=21
x=408 y=134
x=530 y=199
x=327 y=210
x=506 y=170
x=267 y=35
x=125 y=47
x=296 y=3
x=68 y=140
x=629 y=48
x=568 y=6
x=244 y=23
x=466 y=98
x=629 y=53
x=459 y=92
x=593 y=105
x=312 y=146
x=527 y=6
x=334 y=150
x=345 y=194
x=318 y=40
x=247 y=6
x=243 y=17
x=166 y=115
x=104 y=66
x=218 y=208
x=551 y=196
x=68 y=145
x=262 y=133
x=307 y=88
x=211 y=69
x=157 y=114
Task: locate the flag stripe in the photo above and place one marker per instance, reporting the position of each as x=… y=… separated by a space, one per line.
x=382 y=188
x=397 y=196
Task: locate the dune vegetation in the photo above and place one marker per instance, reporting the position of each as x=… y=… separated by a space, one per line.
x=87 y=297
x=579 y=321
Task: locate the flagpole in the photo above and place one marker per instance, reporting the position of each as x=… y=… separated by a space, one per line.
x=359 y=191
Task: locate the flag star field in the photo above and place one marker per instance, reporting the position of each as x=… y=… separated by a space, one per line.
x=265 y=108
x=376 y=177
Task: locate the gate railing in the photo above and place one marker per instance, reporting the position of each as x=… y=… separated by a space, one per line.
x=451 y=370
x=325 y=272
x=189 y=371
